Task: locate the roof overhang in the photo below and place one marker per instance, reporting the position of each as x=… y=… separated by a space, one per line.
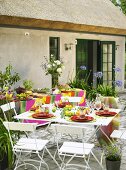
x=57 y=25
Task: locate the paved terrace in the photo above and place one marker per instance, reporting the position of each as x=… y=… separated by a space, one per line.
x=94 y=165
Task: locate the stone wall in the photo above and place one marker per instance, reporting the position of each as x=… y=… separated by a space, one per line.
x=25 y=50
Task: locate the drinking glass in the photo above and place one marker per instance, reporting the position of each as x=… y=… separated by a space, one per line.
x=97 y=105
x=106 y=106
x=92 y=105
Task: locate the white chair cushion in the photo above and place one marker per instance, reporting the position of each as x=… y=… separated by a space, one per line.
x=76 y=148
x=30 y=144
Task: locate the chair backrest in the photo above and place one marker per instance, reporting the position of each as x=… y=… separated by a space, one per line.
x=18 y=126
x=71 y=99
x=7 y=107
x=69 y=129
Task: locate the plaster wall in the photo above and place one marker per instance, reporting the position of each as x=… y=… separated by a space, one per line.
x=25 y=50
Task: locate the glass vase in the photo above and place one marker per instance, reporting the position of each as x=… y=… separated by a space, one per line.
x=54 y=80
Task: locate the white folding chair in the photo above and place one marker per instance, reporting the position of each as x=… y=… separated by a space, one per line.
x=118 y=134
x=71 y=99
x=73 y=149
x=7 y=107
x=11 y=105
x=25 y=147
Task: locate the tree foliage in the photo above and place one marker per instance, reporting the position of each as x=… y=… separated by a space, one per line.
x=121 y=4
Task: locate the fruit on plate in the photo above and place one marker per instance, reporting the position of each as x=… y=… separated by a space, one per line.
x=68 y=107
x=68 y=113
x=37 y=110
x=22 y=96
x=67 y=110
x=54 y=109
x=29 y=92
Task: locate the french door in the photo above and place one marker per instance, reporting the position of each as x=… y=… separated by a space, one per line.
x=96 y=56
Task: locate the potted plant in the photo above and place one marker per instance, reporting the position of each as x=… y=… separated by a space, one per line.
x=108 y=95
x=106 y=90
x=6 y=152
x=112 y=157
x=28 y=84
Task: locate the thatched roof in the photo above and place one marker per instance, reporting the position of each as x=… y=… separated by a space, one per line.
x=85 y=12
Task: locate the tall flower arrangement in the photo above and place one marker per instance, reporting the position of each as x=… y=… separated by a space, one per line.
x=54 y=68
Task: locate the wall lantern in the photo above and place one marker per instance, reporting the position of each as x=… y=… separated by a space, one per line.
x=27 y=34
x=68 y=46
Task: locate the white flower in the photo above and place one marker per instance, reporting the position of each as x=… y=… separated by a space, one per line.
x=57 y=62
x=63 y=67
x=54 y=65
x=59 y=70
x=51 y=55
x=49 y=66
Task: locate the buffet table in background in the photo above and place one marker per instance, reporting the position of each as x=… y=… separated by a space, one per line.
x=25 y=105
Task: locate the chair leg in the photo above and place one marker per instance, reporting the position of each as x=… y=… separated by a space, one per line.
x=87 y=162
x=42 y=161
x=25 y=166
x=99 y=162
x=52 y=157
x=62 y=162
x=17 y=161
x=64 y=166
x=70 y=159
x=24 y=162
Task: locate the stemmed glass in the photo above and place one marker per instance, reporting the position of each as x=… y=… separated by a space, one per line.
x=98 y=105
x=90 y=104
x=106 y=106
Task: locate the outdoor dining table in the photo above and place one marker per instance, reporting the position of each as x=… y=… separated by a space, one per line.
x=100 y=123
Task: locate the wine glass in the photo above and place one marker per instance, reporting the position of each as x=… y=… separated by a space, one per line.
x=106 y=106
x=92 y=105
x=98 y=105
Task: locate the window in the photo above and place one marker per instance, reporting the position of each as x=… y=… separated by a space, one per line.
x=54 y=44
x=54 y=49
x=81 y=56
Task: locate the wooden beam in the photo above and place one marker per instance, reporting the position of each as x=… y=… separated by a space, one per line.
x=57 y=25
